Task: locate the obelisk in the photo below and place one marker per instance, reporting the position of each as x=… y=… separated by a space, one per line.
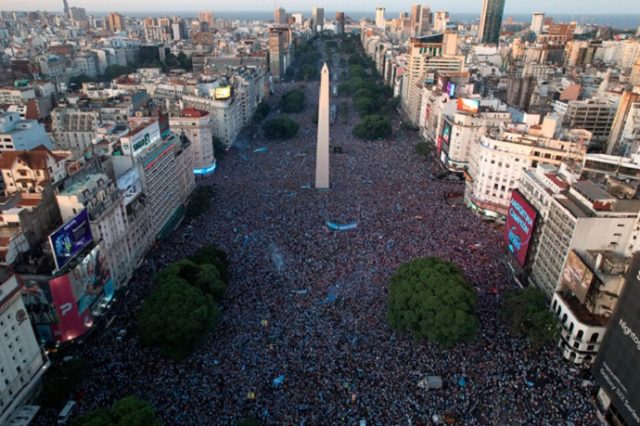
x=322 y=149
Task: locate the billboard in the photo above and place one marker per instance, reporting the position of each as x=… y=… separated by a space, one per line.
x=471 y=106
x=451 y=89
x=521 y=219
x=60 y=307
x=446 y=132
x=616 y=366
x=221 y=93
x=71 y=238
x=135 y=143
x=576 y=276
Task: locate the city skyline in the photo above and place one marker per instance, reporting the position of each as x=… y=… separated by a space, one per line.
x=461 y=6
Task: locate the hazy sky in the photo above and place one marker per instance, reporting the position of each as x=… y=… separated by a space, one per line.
x=469 y=6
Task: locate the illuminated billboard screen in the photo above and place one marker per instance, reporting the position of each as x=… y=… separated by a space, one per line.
x=451 y=89
x=576 y=276
x=521 y=219
x=616 y=366
x=221 y=93
x=471 y=106
x=61 y=308
x=71 y=238
x=446 y=132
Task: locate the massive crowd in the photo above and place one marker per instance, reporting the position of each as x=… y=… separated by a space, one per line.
x=307 y=305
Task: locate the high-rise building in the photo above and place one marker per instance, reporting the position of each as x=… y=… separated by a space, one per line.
x=21 y=361
x=380 y=21
x=280 y=16
x=317 y=17
x=425 y=25
x=116 y=22
x=415 y=19
x=65 y=4
x=440 y=21
x=276 y=51
x=339 y=23
x=491 y=21
x=196 y=125
x=537 y=21
x=618 y=360
x=206 y=16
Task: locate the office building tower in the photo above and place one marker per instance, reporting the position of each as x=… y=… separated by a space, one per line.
x=277 y=48
x=206 y=16
x=22 y=362
x=66 y=8
x=440 y=21
x=537 y=21
x=339 y=23
x=380 y=21
x=491 y=21
x=280 y=16
x=317 y=17
x=618 y=360
x=116 y=22
x=415 y=19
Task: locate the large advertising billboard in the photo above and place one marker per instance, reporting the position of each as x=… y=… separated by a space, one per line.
x=472 y=106
x=451 y=89
x=61 y=308
x=616 y=366
x=521 y=219
x=136 y=143
x=71 y=238
x=576 y=276
x=222 y=93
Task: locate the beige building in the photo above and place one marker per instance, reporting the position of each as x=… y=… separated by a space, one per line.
x=196 y=126
x=22 y=362
x=499 y=158
x=426 y=54
x=31 y=171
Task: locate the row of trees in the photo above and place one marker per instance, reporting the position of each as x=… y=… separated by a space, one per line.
x=306 y=66
x=284 y=127
x=373 y=101
x=431 y=299
x=183 y=306
x=129 y=411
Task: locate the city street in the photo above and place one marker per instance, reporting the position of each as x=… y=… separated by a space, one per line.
x=307 y=304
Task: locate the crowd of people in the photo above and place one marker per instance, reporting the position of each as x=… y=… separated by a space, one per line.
x=303 y=338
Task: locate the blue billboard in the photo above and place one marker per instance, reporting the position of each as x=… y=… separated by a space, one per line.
x=71 y=238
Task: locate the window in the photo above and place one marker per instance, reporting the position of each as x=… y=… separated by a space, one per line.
x=594 y=337
x=580 y=334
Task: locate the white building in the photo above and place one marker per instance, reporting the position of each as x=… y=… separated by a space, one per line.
x=21 y=135
x=196 y=126
x=380 y=21
x=22 y=362
x=107 y=217
x=537 y=21
x=465 y=128
x=499 y=158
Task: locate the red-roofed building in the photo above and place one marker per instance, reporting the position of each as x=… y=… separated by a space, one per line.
x=31 y=171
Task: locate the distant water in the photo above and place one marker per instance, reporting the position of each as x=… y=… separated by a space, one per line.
x=621 y=21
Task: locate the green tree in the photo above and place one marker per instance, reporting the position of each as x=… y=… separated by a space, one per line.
x=280 y=128
x=364 y=105
x=430 y=298
x=372 y=127
x=128 y=411
x=262 y=110
x=60 y=381
x=115 y=71
x=175 y=317
x=75 y=83
x=422 y=149
x=292 y=101
x=210 y=254
x=184 y=61
x=527 y=313
x=204 y=276
x=200 y=201
x=219 y=148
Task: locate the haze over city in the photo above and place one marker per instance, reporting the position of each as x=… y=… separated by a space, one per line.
x=259 y=214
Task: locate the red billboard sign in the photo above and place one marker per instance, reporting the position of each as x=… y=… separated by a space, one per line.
x=521 y=219
x=71 y=324
x=471 y=106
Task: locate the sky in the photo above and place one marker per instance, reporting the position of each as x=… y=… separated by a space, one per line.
x=464 y=6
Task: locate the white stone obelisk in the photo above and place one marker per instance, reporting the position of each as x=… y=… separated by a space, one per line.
x=322 y=149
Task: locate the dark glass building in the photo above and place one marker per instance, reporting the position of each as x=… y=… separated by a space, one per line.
x=491 y=21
